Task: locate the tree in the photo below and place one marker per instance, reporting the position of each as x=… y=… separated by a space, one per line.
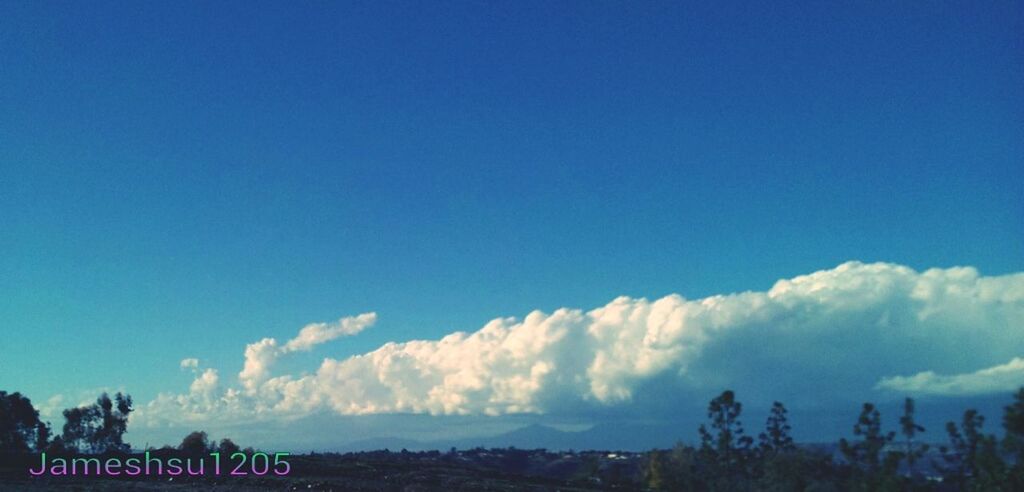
x=196 y=443
x=80 y=424
x=872 y=470
x=867 y=452
x=726 y=449
x=43 y=433
x=973 y=459
x=910 y=428
x=779 y=464
x=1013 y=423
x=20 y=427
x=654 y=475
x=674 y=469
x=1013 y=442
x=963 y=446
x=776 y=438
x=227 y=447
x=114 y=422
x=56 y=446
x=100 y=427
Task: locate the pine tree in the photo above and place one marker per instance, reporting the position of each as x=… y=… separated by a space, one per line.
x=1013 y=442
x=727 y=449
x=973 y=457
x=910 y=428
x=872 y=468
x=775 y=438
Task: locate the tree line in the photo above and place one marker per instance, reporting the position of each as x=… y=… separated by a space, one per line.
x=91 y=429
x=728 y=459
x=97 y=428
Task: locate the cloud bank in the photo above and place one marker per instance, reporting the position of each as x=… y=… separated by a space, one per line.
x=832 y=334
x=1003 y=378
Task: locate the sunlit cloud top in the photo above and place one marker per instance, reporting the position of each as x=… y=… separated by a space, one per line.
x=859 y=327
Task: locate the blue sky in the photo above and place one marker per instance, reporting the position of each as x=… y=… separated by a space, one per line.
x=178 y=181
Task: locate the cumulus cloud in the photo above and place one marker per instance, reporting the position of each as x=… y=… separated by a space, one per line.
x=261 y=355
x=190 y=363
x=1002 y=378
x=814 y=336
x=205 y=383
x=258 y=358
x=317 y=333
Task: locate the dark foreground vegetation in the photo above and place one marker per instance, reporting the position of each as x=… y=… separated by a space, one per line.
x=727 y=458
x=873 y=460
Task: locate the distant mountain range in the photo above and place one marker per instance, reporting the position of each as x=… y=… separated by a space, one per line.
x=329 y=432
x=631 y=437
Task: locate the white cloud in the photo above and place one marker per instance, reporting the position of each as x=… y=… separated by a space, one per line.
x=1002 y=378
x=190 y=363
x=317 y=333
x=52 y=408
x=260 y=356
x=206 y=383
x=826 y=335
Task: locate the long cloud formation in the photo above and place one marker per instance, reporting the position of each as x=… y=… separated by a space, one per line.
x=855 y=327
x=1001 y=378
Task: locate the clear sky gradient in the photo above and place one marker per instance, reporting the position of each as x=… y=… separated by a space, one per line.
x=178 y=179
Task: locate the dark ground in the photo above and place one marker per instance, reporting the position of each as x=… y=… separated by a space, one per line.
x=474 y=470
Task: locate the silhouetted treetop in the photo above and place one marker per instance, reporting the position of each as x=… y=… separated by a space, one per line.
x=20 y=427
